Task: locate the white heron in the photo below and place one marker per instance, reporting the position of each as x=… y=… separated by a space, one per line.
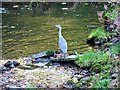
x=62 y=42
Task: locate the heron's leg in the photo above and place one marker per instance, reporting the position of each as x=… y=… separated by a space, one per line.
x=61 y=51
x=65 y=55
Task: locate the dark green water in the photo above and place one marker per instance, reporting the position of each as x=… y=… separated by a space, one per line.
x=27 y=34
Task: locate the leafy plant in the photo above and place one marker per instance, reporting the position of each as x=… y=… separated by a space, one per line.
x=50 y=52
x=94 y=60
x=112 y=14
x=101 y=82
x=77 y=86
x=99 y=33
x=115 y=49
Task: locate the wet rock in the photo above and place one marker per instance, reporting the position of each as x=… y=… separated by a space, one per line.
x=27 y=61
x=45 y=67
x=13 y=88
x=39 y=55
x=84 y=72
x=85 y=78
x=76 y=73
x=117 y=21
x=56 y=64
x=115 y=70
x=2 y=69
x=67 y=86
x=50 y=67
x=1 y=83
x=74 y=79
x=8 y=64
x=16 y=63
x=114 y=40
x=11 y=64
x=78 y=77
x=113 y=83
x=114 y=76
x=42 y=60
x=40 y=64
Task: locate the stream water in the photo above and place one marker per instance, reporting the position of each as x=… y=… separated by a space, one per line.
x=26 y=33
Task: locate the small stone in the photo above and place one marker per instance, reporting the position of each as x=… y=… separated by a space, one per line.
x=16 y=63
x=112 y=83
x=114 y=76
x=12 y=26
x=56 y=64
x=2 y=69
x=78 y=76
x=1 y=83
x=45 y=67
x=85 y=78
x=74 y=79
x=12 y=87
x=76 y=73
x=40 y=64
x=97 y=75
x=27 y=61
x=84 y=72
x=50 y=67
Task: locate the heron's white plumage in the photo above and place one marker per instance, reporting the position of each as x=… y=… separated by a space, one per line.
x=63 y=45
x=62 y=42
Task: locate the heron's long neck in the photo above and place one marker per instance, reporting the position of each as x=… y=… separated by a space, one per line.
x=60 y=35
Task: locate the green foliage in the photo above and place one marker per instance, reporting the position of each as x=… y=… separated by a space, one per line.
x=96 y=61
x=50 y=52
x=99 y=33
x=70 y=82
x=77 y=85
x=112 y=14
x=115 y=49
x=101 y=82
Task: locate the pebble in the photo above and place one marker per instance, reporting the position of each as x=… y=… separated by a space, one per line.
x=114 y=76
x=40 y=64
x=112 y=83
x=56 y=64
x=85 y=78
x=50 y=67
x=84 y=72
x=47 y=76
x=74 y=79
x=78 y=76
x=97 y=75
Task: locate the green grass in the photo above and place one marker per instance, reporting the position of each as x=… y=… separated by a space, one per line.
x=115 y=49
x=112 y=14
x=99 y=33
x=94 y=60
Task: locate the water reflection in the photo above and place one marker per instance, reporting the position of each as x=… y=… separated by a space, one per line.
x=26 y=34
